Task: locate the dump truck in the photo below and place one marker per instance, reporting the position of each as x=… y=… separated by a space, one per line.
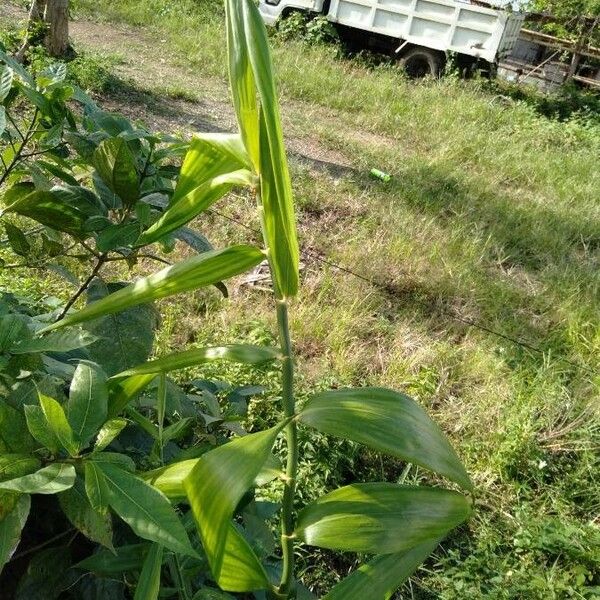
x=422 y=34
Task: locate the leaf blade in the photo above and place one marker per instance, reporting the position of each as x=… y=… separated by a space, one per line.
x=387 y=421
x=381 y=577
x=198 y=271
x=275 y=184
x=237 y=353
x=145 y=510
x=115 y=163
x=87 y=407
x=57 y=420
x=52 y=479
x=380 y=518
x=218 y=482
x=149 y=582
x=11 y=527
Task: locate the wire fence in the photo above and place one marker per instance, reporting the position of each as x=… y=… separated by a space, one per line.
x=386 y=288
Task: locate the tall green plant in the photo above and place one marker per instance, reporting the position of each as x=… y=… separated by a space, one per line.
x=398 y=524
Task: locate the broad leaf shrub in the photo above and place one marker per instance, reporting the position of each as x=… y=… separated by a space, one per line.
x=111 y=437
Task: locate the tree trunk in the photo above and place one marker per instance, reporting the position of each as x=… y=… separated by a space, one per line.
x=57 y=17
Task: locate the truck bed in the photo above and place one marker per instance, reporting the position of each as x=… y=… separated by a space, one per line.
x=444 y=25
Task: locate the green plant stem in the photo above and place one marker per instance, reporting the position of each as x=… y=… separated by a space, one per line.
x=160 y=409
x=17 y=157
x=291 y=432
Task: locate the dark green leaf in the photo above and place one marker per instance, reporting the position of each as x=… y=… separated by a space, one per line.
x=190 y=274
x=118 y=236
x=93 y=524
x=123 y=559
x=193 y=239
x=380 y=517
x=17 y=240
x=96 y=487
x=13 y=429
x=81 y=199
x=11 y=467
x=115 y=164
x=148 y=585
x=13 y=330
x=218 y=482
x=145 y=510
x=114 y=459
x=60 y=341
x=88 y=402
x=124 y=339
x=46 y=207
x=11 y=527
x=389 y=422
x=382 y=576
x=48 y=575
x=49 y=480
x=58 y=172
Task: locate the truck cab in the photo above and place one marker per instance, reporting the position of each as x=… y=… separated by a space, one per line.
x=272 y=10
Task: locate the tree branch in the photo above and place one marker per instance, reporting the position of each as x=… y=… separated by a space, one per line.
x=84 y=286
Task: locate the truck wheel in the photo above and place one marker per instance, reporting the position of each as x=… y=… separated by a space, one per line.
x=422 y=62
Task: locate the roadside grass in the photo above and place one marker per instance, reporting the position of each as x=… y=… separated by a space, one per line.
x=492 y=216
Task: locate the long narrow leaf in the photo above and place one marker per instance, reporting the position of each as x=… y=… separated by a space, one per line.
x=242 y=571
x=218 y=482
x=243 y=88
x=237 y=353
x=123 y=391
x=210 y=155
x=275 y=185
x=193 y=203
x=193 y=273
x=381 y=518
x=389 y=422
x=149 y=582
x=381 y=577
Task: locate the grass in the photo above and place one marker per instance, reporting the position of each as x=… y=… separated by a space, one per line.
x=492 y=216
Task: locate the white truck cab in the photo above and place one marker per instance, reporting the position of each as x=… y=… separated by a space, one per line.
x=419 y=32
x=273 y=10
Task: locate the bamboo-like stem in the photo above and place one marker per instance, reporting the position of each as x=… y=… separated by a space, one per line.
x=286 y=585
x=291 y=432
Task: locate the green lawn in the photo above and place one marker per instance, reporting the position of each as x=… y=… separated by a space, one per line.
x=492 y=217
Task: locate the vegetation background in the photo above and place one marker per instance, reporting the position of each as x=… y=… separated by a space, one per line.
x=492 y=217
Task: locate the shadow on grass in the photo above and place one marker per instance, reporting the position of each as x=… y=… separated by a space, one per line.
x=556 y=249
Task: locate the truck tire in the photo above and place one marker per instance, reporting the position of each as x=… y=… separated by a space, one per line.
x=422 y=62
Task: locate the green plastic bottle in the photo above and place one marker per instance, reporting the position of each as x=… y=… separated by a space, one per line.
x=377 y=174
